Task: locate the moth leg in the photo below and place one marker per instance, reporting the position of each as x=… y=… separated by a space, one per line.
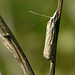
x=54 y=16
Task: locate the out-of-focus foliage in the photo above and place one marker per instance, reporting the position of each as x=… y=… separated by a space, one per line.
x=30 y=33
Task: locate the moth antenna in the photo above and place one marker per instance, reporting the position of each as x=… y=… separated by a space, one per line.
x=39 y=14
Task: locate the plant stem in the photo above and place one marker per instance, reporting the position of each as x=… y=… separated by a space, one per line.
x=57 y=23
x=11 y=43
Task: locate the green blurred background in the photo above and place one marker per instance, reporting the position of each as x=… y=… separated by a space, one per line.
x=30 y=33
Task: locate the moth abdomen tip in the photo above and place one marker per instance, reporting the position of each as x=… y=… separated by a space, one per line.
x=46 y=56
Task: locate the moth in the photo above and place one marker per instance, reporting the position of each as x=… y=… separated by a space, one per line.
x=50 y=40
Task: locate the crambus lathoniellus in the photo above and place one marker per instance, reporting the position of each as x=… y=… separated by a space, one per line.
x=50 y=38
